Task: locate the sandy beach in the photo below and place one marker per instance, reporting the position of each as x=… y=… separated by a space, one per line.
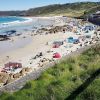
x=25 y=44
x=37 y=43
x=34 y=48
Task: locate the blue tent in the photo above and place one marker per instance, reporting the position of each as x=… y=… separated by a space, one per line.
x=88 y=28
x=70 y=39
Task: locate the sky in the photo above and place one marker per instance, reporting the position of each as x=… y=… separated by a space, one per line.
x=26 y=4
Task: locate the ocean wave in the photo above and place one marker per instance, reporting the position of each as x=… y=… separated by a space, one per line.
x=7 y=24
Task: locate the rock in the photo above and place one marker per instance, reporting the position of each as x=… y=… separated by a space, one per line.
x=17 y=75
x=22 y=72
x=4 y=77
x=28 y=69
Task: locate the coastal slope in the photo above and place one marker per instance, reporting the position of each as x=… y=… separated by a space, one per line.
x=69 y=9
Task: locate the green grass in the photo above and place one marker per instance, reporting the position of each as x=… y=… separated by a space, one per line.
x=58 y=82
x=70 y=9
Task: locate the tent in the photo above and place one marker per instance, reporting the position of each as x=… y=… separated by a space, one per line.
x=88 y=28
x=56 y=55
x=73 y=40
x=70 y=39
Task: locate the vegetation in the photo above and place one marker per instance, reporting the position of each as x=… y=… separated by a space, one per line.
x=58 y=82
x=70 y=9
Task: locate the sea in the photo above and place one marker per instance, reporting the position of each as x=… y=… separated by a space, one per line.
x=22 y=26
x=8 y=23
x=10 y=19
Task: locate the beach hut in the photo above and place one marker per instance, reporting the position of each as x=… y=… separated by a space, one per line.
x=56 y=55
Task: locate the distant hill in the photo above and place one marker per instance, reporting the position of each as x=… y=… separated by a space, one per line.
x=69 y=9
x=11 y=13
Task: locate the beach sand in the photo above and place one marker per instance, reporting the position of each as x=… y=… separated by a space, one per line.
x=22 y=49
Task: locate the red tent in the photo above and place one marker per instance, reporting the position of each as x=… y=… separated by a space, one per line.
x=56 y=55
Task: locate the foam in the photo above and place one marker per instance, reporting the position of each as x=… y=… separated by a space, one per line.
x=5 y=25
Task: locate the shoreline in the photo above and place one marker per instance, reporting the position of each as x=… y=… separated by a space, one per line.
x=42 y=40
x=7 y=24
x=24 y=36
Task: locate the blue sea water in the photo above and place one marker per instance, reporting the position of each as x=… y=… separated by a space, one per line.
x=10 y=19
x=5 y=24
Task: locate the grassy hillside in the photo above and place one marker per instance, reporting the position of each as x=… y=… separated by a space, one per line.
x=69 y=9
x=57 y=83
